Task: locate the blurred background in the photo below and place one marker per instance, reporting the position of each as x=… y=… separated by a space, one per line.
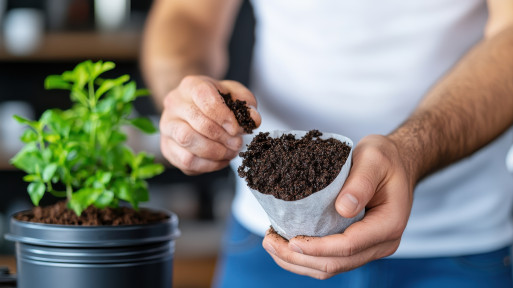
x=42 y=37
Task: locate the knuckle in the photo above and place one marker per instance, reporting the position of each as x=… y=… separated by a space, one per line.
x=349 y=250
x=331 y=268
x=182 y=135
x=396 y=231
x=375 y=155
x=169 y=101
x=189 y=80
x=186 y=161
x=391 y=249
x=202 y=91
x=210 y=129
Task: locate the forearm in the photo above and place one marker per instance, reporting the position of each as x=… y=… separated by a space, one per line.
x=467 y=109
x=184 y=38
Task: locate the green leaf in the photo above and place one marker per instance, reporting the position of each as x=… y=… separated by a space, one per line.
x=138 y=160
x=100 y=67
x=52 y=138
x=78 y=95
x=144 y=124
x=142 y=92
x=105 y=199
x=122 y=190
x=31 y=178
x=82 y=74
x=36 y=191
x=28 y=158
x=22 y=120
x=29 y=136
x=57 y=122
x=34 y=124
x=129 y=92
x=56 y=82
x=83 y=198
x=49 y=171
x=106 y=105
x=117 y=137
x=109 y=84
x=128 y=155
x=104 y=177
x=149 y=170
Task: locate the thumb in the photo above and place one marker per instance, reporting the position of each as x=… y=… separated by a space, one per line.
x=359 y=188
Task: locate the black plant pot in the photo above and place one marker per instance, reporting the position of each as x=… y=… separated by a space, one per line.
x=94 y=256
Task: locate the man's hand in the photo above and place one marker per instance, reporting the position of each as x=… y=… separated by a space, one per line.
x=379 y=182
x=199 y=133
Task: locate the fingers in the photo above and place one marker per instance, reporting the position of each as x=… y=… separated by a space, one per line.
x=187 y=162
x=323 y=267
x=302 y=270
x=184 y=136
x=358 y=237
x=198 y=123
x=205 y=95
x=200 y=133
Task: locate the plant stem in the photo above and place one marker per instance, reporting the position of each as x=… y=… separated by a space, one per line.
x=69 y=191
x=92 y=108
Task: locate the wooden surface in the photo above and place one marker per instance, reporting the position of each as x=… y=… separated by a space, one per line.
x=60 y=46
x=187 y=272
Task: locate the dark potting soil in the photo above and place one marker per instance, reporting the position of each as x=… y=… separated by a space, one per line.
x=241 y=112
x=92 y=216
x=289 y=168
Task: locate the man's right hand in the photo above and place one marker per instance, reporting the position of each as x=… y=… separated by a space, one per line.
x=199 y=133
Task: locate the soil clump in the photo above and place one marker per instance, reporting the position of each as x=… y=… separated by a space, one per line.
x=241 y=112
x=289 y=168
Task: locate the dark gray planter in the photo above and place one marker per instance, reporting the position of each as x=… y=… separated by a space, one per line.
x=100 y=256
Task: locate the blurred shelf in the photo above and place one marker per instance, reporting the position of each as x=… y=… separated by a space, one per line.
x=62 y=46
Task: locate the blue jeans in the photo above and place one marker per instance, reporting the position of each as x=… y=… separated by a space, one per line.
x=244 y=263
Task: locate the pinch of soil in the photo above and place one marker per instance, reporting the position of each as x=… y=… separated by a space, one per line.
x=241 y=112
x=289 y=168
x=92 y=216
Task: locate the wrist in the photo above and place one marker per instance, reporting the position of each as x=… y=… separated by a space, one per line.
x=409 y=155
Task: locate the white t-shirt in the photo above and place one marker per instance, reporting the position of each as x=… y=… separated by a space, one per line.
x=360 y=67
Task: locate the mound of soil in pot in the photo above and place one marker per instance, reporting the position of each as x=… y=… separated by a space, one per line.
x=241 y=112
x=92 y=216
x=289 y=168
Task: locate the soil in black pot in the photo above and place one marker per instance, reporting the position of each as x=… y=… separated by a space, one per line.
x=289 y=168
x=241 y=112
x=92 y=216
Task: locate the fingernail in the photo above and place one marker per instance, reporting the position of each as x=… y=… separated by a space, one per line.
x=349 y=203
x=295 y=248
x=228 y=127
x=233 y=143
x=269 y=248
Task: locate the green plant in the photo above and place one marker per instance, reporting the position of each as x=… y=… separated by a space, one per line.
x=81 y=153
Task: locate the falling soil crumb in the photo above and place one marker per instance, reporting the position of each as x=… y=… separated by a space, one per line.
x=92 y=216
x=241 y=112
x=305 y=238
x=289 y=168
x=271 y=232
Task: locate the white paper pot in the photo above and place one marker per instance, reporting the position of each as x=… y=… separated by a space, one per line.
x=314 y=215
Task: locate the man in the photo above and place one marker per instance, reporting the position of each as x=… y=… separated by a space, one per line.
x=425 y=89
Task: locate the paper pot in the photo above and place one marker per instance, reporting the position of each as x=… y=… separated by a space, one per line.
x=314 y=215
